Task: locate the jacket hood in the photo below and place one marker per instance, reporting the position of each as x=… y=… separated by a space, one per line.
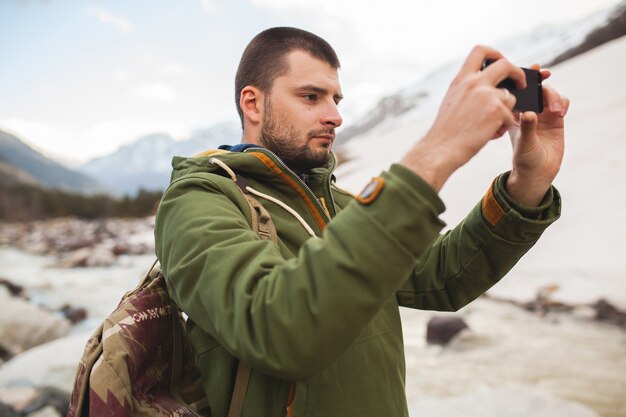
x=253 y=162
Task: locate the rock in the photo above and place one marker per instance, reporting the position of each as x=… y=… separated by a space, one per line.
x=441 y=329
x=29 y=401
x=126 y=248
x=606 y=312
x=18 y=398
x=87 y=257
x=69 y=234
x=53 y=364
x=14 y=289
x=544 y=302
x=24 y=325
x=121 y=248
x=100 y=257
x=7 y=411
x=75 y=259
x=5 y=355
x=50 y=397
x=74 y=315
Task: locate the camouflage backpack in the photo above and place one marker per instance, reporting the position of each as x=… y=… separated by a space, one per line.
x=139 y=362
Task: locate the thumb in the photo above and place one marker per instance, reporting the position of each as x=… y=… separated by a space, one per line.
x=528 y=127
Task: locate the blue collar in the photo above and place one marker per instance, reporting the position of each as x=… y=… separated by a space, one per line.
x=240 y=147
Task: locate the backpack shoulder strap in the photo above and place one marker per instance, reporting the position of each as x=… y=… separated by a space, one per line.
x=263 y=225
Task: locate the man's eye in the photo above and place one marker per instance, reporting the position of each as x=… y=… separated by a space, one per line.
x=310 y=97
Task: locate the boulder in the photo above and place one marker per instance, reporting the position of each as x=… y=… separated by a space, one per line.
x=441 y=329
x=49 y=398
x=74 y=314
x=53 y=364
x=606 y=312
x=24 y=325
x=18 y=398
x=99 y=256
x=13 y=288
x=8 y=411
x=30 y=401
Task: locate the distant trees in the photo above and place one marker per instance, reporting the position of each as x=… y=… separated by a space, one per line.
x=20 y=202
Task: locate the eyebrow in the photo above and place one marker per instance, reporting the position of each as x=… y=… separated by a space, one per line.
x=319 y=90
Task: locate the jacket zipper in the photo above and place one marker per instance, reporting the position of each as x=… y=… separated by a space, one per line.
x=292 y=174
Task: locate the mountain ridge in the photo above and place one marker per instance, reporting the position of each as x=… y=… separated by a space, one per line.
x=23 y=164
x=146 y=163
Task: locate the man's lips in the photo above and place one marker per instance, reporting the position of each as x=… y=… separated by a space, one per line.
x=328 y=136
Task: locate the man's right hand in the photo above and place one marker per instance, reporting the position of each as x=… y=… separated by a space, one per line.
x=473 y=112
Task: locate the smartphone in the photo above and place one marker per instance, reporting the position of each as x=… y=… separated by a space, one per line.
x=529 y=98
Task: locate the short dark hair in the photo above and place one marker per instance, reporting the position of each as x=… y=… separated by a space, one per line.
x=263 y=60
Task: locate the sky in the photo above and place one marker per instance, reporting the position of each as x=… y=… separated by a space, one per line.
x=79 y=79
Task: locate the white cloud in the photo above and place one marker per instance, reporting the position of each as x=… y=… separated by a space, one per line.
x=155 y=92
x=121 y=23
x=207 y=6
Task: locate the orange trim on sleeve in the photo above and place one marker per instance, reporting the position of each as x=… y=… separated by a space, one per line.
x=267 y=161
x=492 y=211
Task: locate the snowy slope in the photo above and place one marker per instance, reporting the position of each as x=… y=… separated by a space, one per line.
x=583 y=251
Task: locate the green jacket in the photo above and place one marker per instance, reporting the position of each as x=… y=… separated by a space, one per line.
x=322 y=312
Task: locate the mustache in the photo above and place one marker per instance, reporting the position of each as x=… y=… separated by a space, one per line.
x=321 y=132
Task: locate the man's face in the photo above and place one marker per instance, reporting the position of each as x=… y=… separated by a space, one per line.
x=300 y=112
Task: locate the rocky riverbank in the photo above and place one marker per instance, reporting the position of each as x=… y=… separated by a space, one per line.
x=59 y=279
x=80 y=243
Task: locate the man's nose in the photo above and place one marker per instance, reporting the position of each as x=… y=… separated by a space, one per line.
x=332 y=116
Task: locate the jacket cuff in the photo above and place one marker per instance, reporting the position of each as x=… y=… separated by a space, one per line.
x=535 y=213
x=516 y=221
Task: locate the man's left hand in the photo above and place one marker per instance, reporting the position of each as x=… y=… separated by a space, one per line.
x=538 y=144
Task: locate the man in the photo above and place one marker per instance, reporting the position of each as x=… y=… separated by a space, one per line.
x=317 y=318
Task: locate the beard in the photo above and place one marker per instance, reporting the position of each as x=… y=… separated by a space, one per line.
x=287 y=143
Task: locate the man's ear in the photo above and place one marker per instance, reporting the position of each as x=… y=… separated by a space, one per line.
x=251 y=104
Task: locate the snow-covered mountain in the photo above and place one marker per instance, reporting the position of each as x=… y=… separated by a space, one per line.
x=146 y=163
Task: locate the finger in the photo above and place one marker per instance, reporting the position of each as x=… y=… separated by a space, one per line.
x=475 y=59
x=503 y=69
x=508 y=99
x=528 y=125
x=565 y=101
x=545 y=73
x=552 y=100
